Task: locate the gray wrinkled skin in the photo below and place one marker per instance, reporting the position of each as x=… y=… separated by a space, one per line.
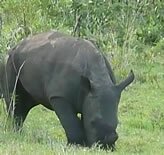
x=69 y=76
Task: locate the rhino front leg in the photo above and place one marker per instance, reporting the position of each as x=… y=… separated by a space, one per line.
x=72 y=125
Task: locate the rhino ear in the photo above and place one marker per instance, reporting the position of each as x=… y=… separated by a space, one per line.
x=126 y=82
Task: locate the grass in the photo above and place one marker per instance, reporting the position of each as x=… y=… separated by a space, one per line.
x=141 y=126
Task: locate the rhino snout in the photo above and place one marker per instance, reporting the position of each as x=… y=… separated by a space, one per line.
x=106 y=135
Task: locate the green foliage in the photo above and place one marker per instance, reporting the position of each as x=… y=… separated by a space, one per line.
x=119 y=22
x=152 y=30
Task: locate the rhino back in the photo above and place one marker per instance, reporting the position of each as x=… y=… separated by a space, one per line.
x=52 y=67
x=55 y=63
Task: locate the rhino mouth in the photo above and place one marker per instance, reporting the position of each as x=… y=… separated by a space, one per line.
x=108 y=143
x=108 y=147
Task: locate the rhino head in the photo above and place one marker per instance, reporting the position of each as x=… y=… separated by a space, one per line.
x=100 y=114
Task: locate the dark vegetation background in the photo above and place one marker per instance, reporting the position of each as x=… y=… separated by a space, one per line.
x=129 y=32
x=126 y=30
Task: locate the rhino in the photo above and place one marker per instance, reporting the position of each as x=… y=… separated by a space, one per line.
x=70 y=76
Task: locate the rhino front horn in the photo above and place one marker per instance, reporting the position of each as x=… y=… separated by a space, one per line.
x=127 y=81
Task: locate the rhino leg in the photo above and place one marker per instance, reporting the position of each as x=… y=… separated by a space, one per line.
x=72 y=125
x=23 y=103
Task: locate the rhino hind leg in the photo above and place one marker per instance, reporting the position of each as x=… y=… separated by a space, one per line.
x=18 y=109
x=72 y=125
x=23 y=103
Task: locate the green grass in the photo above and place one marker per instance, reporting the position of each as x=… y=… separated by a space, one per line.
x=141 y=127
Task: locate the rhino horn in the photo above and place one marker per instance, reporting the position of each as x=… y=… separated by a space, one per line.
x=127 y=81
